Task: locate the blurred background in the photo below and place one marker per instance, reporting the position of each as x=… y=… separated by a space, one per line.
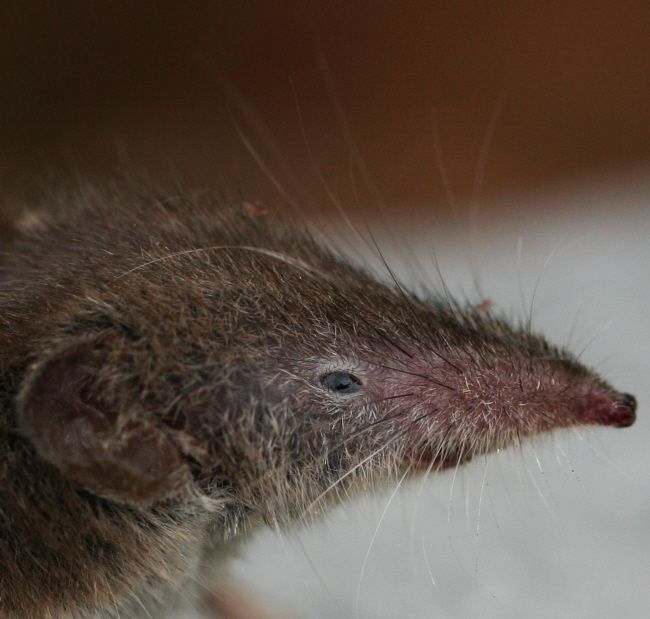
x=509 y=144
x=560 y=90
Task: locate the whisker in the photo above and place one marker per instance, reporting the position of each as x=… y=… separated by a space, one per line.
x=267 y=171
x=427 y=564
x=425 y=376
x=340 y=479
x=480 y=503
x=418 y=497
x=374 y=424
x=266 y=252
x=386 y=445
x=385 y=337
x=415 y=315
x=442 y=168
x=406 y=256
x=537 y=282
x=335 y=201
x=595 y=337
x=254 y=120
x=374 y=536
x=481 y=166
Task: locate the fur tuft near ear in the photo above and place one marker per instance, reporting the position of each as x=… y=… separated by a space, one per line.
x=121 y=456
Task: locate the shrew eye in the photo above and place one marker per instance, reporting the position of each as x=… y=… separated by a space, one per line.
x=341 y=383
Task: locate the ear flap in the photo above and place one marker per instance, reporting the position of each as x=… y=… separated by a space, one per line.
x=127 y=457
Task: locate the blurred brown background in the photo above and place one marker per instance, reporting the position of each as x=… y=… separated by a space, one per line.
x=91 y=86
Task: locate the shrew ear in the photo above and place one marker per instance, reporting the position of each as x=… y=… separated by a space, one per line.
x=118 y=455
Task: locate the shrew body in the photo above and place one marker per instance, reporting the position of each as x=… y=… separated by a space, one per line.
x=174 y=371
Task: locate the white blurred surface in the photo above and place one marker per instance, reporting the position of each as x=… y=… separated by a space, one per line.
x=560 y=530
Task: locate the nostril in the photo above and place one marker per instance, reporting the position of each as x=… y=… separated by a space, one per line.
x=626 y=410
x=628 y=401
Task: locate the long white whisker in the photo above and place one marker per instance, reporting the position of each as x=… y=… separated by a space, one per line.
x=267 y=252
x=595 y=337
x=342 y=477
x=426 y=562
x=539 y=278
x=480 y=504
x=374 y=536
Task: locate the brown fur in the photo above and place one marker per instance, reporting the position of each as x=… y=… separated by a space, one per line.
x=162 y=377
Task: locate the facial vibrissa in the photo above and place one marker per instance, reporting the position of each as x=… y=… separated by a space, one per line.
x=176 y=370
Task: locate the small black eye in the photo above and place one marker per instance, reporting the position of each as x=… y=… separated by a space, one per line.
x=341 y=383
